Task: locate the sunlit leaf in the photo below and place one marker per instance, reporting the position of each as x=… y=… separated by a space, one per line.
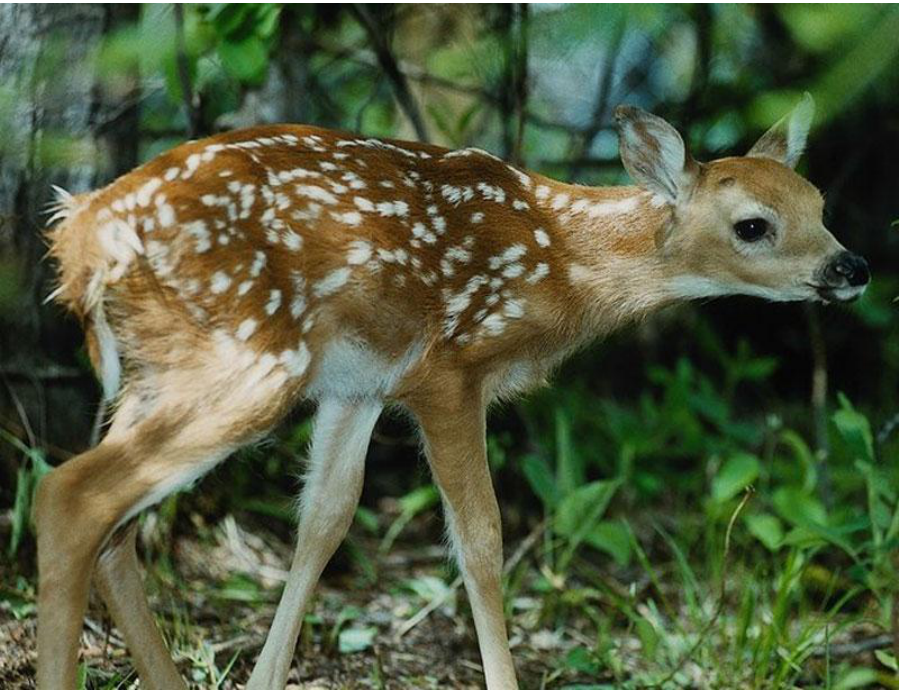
x=736 y=473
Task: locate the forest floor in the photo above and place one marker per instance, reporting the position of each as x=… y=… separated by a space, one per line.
x=215 y=602
x=401 y=620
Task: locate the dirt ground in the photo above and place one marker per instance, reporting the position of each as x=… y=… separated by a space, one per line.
x=211 y=630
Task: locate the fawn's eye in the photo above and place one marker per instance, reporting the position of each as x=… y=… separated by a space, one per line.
x=751 y=229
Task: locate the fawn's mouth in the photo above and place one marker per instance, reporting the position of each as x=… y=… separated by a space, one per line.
x=839 y=294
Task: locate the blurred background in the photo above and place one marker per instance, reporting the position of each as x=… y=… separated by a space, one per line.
x=708 y=499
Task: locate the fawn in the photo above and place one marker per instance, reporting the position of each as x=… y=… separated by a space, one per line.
x=230 y=277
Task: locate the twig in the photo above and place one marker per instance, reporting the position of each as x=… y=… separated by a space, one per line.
x=887 y=429
x=436 y=603
x=51 y=372
x=846 y=649
x=819 y=378
x=21 y=411
x=390 y=67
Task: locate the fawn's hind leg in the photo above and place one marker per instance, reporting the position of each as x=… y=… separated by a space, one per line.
x=342 y=431
x=78 y=506
x=118 y=580
x=146 y=455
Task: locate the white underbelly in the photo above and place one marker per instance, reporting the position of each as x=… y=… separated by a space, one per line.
x=349 y=368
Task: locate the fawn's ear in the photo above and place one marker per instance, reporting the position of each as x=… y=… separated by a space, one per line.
x=654 y=154
x=785 y=141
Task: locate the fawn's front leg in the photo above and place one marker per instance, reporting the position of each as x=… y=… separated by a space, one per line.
x=455 y=444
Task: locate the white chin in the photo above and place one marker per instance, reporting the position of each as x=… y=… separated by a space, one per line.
x=841 y=294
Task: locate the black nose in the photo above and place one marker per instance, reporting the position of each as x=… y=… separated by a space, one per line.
x=852 y=267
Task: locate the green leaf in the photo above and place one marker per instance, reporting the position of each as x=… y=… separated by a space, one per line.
x=356 y=639
x=246 y=60
x=887 y=659
x=855 y=430
x=580 y=659
x=767 y=529
x=648 y=636
x=240 y=587
x=368 y=519
x=739 y=471
x=412 y=504
x=798 y=507
x=613 y=538
x=856 y=678
x=540 y=477
x=580 y=511
x=803 y=454
x=569 y=467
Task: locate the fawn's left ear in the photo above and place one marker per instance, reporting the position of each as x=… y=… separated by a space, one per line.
x=654 y=154
x=785 y=141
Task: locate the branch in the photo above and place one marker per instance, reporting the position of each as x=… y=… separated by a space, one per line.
x=387 y=62
x=189 y=97
x=600 y=114
x=419 y=75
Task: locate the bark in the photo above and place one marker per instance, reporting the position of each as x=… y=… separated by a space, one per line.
x=61 y=125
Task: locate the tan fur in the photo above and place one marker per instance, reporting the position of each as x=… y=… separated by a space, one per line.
x=233 y=275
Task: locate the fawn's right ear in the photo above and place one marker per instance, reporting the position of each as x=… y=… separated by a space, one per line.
x=785 y=141
x=654 y=154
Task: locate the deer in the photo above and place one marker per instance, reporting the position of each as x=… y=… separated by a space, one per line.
x=229 y=278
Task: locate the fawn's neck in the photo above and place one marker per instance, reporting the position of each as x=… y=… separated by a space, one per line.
x=612 y=238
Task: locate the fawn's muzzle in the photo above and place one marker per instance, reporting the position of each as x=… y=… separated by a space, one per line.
x=850 y=267
x=844 y=277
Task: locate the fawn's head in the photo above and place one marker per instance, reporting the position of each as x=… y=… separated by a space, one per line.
x=743 y=225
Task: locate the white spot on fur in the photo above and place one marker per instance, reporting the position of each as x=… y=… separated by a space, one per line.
x=292 y=240
x=220 y=282
x=540 y=271
x=364 y=204
x=246 y=329
x=613 y=208
x=393 y=208
x=513 y=270
x=296 y=361
x=258 y=263
x=541 y=237
x=145 y=193
x=332 y=282
x=191 y=165
x=560 y=201
x=512 y=253
x=199 y=230
x=166 y=215
x=318 y=193
x=274 y=302
x=359 y=252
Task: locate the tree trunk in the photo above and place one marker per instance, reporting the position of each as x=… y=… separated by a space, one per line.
x=61 y=126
